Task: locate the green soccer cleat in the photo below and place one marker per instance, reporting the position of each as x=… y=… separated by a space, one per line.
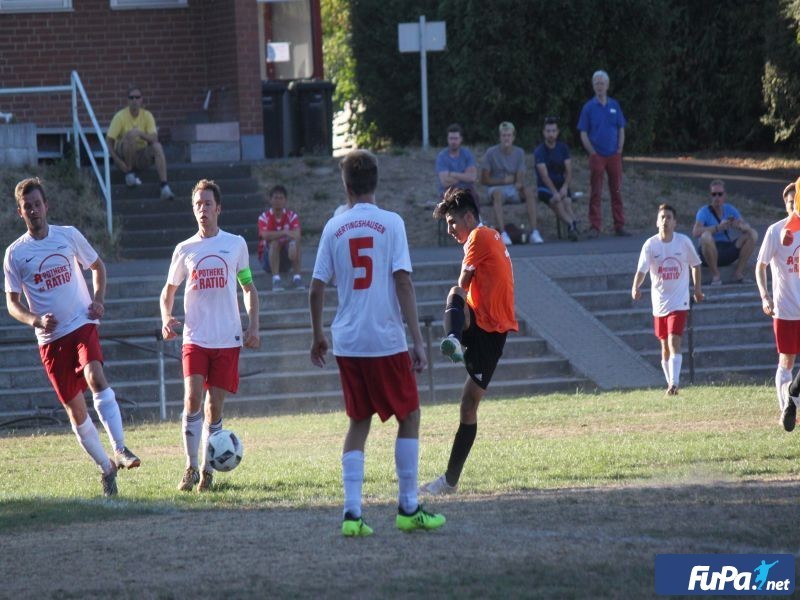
x=421 y=519
x=451 y=348
x=355 y=527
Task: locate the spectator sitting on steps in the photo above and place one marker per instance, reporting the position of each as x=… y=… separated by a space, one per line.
x=132 y=140
x=279 y=239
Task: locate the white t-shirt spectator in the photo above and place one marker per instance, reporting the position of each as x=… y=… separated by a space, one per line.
x=50 y=273
x=669 y=264
x=783 y=261
x=362 y=248
x=210 y=302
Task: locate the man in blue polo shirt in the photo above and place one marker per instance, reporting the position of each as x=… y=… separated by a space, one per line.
x=725 y=237
x=455 y=166
x=554 y=175
x=602 y=127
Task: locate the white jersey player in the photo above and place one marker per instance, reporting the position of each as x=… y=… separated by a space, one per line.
x=668 y=257
x=211 y=262
x=780 y=251
x=364 y=250
x=47 y=263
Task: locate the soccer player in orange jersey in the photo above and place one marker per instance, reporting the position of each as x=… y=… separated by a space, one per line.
x=478 y=316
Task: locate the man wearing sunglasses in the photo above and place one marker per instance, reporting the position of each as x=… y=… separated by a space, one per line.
x=725 y=237
x=132 y=140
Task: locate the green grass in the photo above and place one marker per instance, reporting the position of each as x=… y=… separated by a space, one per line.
x=543 y=442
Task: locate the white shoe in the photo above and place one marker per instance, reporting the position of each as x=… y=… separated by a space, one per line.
x=451 y=348
x=131 y=180
x=438 y=487
x=506 y=240
x=536 y=237
x=166 y=193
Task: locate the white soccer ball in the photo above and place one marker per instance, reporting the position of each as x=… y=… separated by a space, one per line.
x=225 y=450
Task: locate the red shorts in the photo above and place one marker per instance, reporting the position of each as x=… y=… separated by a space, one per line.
x=218 y=366
x=787 y=336
x=671 y=324
x=65 y=358
x=378 y=384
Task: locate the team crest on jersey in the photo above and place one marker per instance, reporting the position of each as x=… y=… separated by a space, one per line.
x=210 y=272
x=55 y=270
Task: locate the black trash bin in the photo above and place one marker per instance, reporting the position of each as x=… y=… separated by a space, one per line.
x=314 y=101
x=279 y=114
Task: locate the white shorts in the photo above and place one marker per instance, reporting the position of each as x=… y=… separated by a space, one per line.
x=510 y=192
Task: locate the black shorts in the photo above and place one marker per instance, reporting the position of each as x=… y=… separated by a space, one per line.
x=482 y=351
x=545 y=195
x=727 y=254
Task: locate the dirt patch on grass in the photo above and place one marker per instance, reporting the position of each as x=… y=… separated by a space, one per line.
x=559 y=543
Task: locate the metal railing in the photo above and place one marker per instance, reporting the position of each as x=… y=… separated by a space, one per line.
x=75 y=87
x=162 y=355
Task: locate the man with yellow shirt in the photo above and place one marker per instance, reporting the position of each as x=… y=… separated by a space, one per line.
x=133 y=143
x=478 y=316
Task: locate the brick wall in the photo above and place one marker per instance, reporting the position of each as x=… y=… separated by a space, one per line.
x=175 y=55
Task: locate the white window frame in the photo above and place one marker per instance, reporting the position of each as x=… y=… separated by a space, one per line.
x=31 y=6
x=144 y=4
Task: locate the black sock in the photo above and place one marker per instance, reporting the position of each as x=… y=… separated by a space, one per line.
x=465 y=436
x=454 y=316
x=163 y=183
x=794 y=386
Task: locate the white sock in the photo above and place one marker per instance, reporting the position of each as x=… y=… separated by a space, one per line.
x=675 y=362
x=105 y=403
x=782 y=376
x=352 y=480
x=665 y=366
x=208 y=429
x=89 y=440
x=406 y=460
x=192 y=426
x=276 y=278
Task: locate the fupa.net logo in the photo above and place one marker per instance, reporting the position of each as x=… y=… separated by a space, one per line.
x=731 y=574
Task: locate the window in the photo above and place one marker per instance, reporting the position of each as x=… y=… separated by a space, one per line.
x=35 y=5
x=133 y=4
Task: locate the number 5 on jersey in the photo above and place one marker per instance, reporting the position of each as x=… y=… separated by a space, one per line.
x=359 y=259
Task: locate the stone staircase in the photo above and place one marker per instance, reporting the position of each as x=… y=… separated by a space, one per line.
x=278 y=377
x=733 y=339
x=152 y=227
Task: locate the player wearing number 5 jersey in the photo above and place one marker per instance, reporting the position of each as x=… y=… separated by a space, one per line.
x=211 y=262
x=478 y=316
x=365 y=251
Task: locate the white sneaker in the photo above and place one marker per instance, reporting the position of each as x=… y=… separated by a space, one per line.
x=451 y=348
x=536 y=237
x=438 y=487
x=506 y=240
x=131 y=180
x=166 y=193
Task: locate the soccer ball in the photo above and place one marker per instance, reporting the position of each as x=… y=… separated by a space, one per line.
x=224 y=450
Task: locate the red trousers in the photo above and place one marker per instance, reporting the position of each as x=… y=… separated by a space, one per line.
x=598 y=166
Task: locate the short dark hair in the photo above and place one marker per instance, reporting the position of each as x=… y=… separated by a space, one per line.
x=668 y=207
x=133 y=88
x=277 y=189
x=550 y=120
x=360 y=172
x=455 y=128
x=208 y=184
x=26 y=186
x=789 y=189
x=458 y=202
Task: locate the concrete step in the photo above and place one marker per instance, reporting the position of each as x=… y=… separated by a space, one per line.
x=621 y=298
x=757 y=332
x=219 y=172
x=731 y=356
x=135 y=207
x=703 y=314
x=182 y=189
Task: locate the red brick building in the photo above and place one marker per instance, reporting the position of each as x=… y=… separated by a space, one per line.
x=175 y=50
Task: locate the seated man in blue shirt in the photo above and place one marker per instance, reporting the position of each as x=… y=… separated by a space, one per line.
x=554 y=175
x=455 y=166
x=725 y=237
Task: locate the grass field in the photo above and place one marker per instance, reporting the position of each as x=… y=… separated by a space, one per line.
x=563 y=496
